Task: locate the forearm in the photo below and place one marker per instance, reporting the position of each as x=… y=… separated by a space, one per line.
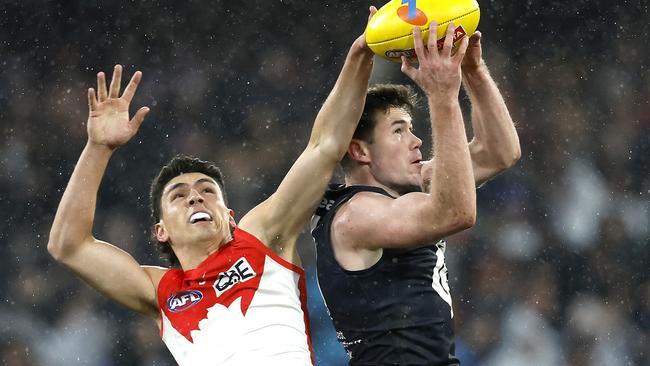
x=494 y=130
x=74 y=218
x=452 y=179
x=340 y=114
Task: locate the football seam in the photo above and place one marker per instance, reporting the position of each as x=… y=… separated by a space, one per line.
x=427 y=28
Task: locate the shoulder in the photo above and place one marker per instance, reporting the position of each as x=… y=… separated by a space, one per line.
x=363 y=207
x=362 y=203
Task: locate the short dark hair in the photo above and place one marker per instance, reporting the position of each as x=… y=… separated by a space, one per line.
x=180 y=164
x=380 y=98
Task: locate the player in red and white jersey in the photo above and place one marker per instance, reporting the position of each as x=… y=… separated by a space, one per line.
x=244 y=304
x=238 y=294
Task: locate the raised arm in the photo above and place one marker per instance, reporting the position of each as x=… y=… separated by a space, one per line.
x=370 y=221
x=279 y=219
x=105 y=267
x=495 y=146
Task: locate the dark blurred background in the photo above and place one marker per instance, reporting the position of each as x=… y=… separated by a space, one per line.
x=554 y=273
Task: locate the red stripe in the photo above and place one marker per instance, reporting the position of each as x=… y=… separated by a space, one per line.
x=303 y=302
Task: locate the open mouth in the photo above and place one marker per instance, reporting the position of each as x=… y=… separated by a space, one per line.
x=200 y=216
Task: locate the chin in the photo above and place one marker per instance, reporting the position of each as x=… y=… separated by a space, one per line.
x=204 y=234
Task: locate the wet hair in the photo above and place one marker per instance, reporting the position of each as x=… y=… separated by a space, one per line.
x=381 y=98
x=180 y=164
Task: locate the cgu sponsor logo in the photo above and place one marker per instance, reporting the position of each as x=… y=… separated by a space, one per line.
x=183 y=300
x=241 y=271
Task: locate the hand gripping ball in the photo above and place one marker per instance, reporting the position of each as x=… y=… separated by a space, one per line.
x=389 y=33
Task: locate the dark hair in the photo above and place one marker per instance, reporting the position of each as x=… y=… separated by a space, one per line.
x=180 y=164
x=380 y=98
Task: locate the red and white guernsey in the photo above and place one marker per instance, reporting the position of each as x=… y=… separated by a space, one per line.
x=243 y=305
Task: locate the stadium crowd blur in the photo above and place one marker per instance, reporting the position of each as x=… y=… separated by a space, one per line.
x=555 y=272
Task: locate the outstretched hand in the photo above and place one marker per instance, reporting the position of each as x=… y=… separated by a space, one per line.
x=108 y=118
x=439 y=70
x=361 y=41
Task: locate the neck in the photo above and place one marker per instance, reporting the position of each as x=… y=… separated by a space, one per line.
x=363 y=176
x=193 y=254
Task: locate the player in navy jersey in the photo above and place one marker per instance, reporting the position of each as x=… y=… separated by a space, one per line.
x=380 y=256
x=238 y=297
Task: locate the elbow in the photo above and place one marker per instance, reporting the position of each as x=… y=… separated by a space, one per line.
x=508 y=159
x=464 y=215
x=59 y=246
x=54 y=247
x=330 y=149
x=515 y=155
x=465 y=219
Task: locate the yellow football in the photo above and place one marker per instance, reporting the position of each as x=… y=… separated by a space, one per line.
x=389 y=33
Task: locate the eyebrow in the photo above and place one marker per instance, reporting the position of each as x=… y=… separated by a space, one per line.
x=180 y=184
x=399 y=122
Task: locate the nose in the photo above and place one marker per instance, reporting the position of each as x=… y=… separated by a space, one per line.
x=417 y=142
x=195 y=197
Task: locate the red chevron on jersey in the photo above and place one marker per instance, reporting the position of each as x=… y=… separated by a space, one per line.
x=226 y=275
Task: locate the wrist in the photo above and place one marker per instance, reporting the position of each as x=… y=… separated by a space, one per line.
x=362 y=50
x=99 y=148
x=440 y=102
x=475 y=71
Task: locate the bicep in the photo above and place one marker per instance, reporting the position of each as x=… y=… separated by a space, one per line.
x=115 y=274
x=410 y=221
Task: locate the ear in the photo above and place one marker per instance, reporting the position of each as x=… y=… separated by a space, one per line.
x=161 y=232
x=358 y=151
x=231 y=221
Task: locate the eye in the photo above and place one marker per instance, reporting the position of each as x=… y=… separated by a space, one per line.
x=177 y=195
x=208 y=190
x=399 y=130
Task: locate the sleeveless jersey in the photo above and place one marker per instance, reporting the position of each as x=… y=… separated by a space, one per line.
x=243 y=305
x=397 y=312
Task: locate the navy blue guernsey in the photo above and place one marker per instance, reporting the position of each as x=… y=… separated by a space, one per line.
x=397 y=312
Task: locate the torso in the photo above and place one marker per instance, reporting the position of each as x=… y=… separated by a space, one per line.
x=397 y=311
x=243 y=305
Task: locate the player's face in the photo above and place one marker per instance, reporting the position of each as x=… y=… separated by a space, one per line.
x=395 y=152
x=193 y=210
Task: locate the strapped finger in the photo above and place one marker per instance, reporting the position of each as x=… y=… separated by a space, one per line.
x=102 y=94
x=92 y=99
x=132 y=87
x=417 y=44
x=114 y=90
x=449 y=40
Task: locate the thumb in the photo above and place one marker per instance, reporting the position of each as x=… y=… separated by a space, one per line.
x=475 y=38
x=407 y=68
x=138 y=118
x=372 y=11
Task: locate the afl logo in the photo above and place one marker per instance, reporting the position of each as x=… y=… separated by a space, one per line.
x=183 y=300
